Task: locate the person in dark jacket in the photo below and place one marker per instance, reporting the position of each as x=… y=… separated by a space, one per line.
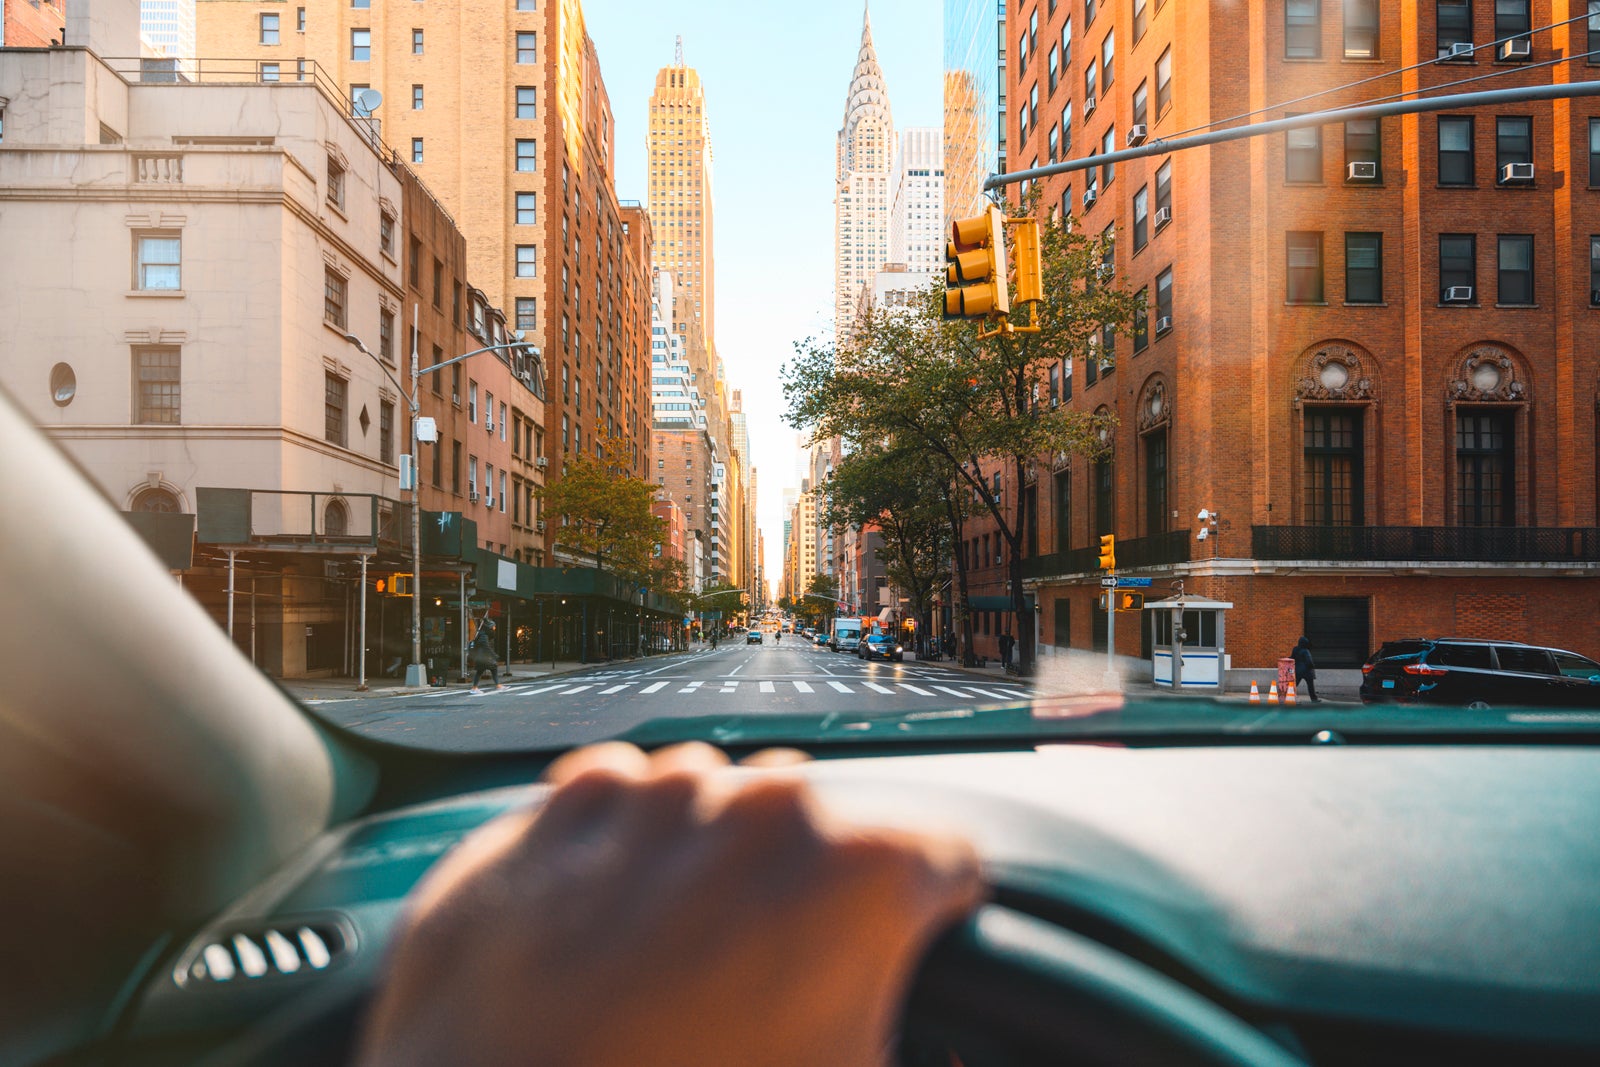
x=482 y=656
x=1304 y=669
x=1007 y=643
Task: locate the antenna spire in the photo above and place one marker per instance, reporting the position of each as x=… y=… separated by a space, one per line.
x=677 y=54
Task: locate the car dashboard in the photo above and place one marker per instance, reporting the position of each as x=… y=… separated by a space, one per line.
x=1360 y=904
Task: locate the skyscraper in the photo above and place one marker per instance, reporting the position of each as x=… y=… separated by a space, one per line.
x=680 y=190
x=974 y=102
x=169 y=26
x=865 y=163
x=916 y=215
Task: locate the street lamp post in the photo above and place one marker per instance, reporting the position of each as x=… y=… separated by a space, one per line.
x=416 y=671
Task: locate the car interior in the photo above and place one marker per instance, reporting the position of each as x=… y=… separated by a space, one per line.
x=198 y=870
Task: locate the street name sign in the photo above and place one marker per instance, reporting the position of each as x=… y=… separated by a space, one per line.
x=1134 y=583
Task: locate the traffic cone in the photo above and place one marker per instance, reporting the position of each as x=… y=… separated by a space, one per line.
x=1288 y=696
x=1255 y=693
x=1272 y=694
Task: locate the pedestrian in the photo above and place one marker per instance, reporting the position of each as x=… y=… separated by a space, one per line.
x=482 y=655
x=1007 y=643
x=1304 y=669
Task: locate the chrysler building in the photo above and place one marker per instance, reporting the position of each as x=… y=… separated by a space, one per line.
x=865 y=184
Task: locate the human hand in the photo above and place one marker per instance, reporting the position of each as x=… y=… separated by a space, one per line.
x=663 y=909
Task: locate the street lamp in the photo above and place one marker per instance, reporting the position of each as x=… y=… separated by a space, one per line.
x=416 y=672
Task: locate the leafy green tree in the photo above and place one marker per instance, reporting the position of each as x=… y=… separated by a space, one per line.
x=910 y=376
x=821 y=600
x=605 y=515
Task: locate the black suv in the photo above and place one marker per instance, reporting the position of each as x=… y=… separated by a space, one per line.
x=1479 y=674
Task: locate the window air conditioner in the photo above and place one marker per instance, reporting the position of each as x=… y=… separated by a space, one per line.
x=1163 y=324
x=489 y=503
x=1458 y=294
x=1516 y=48
x=1163 y=216
x=455 y=398
x=1458 y=50
x=1137 y=133
x=472 y=496
x=538 y=524
x=1517 y=172
x=1594 y=296
x=541 y=463
x=1362 y=172
x=1088 y=106
x=1055 y=402
x=1090 y=196
x=489 y=424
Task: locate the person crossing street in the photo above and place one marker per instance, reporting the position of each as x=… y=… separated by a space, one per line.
x=482 y=655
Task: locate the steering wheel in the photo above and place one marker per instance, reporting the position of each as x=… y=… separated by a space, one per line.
x=1000 y=978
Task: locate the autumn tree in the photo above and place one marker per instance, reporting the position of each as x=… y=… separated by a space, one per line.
x=604 y=514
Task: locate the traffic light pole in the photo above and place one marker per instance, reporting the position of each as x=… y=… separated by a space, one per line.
x=1112 y=680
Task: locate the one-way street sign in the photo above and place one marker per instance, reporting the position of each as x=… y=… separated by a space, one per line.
x=1108 y=583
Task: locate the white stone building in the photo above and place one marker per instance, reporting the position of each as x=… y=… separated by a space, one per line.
x=864 y=185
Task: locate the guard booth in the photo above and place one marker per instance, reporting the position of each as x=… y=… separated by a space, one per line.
x=1188 y=642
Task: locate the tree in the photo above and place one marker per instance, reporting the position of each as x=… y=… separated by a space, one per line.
x=821 y=600
x=909 y=375
x=605 y=515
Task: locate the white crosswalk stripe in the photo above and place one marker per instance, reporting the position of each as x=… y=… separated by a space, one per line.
x=576 y=689
x=914 y=689
x=803 y=687
x=989 y=693
x=952 y=692
x=841 y=687
x=654 y=687
x=691 y=687
x=876 y=688
x=768 y=687
x=615 y=689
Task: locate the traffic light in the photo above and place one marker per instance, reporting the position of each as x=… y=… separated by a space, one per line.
x=975 y=268
x=1030 y=269
x=1130 y=601
x=1108 y=552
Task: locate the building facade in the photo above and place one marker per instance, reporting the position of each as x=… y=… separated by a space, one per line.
x=916 y=214
x=1370 y=346
x=30 y=24
x=974 y=101
x=863 y=183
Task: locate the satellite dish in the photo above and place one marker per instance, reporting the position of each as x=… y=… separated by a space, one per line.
x=366 y=102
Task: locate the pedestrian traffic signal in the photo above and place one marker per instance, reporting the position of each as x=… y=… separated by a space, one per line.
x=1108 y=552
x=1130 y=601
x=975 y=268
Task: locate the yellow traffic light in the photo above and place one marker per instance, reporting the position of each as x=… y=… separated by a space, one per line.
x=1130 y=601
x=1030 y=270
x=1108 y=552
x=975 y=268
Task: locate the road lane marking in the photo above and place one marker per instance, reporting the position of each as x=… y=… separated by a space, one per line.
x=653 y=687
x=615 y=689
x=914 y=689
x=952 y=692
x=728 y=687
x=739 y=668
x=577 y=689
x=691 y=687
x=991 y=693
x=876 y=688
x=768 y=687
x=803 y=687
x=841 y=687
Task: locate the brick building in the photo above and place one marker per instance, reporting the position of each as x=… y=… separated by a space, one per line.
x=1371 y=346
x=32 y=23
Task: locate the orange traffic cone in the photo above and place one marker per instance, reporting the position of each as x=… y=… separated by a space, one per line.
x=1288 y=695
x=1255 y=693
x=1272 y=694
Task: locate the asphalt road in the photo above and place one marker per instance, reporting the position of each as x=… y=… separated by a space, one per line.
x=791 y=676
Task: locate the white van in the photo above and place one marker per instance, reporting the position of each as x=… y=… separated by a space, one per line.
x=846 y=635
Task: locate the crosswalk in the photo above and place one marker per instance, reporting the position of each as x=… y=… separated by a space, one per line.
x=772 y=687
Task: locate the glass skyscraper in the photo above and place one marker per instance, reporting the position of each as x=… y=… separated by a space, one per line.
x=974 y=101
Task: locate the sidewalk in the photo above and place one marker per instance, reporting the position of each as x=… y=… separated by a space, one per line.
x=345 y=688
x=1337 y=690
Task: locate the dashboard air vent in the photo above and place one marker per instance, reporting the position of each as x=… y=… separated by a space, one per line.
x=264 y=952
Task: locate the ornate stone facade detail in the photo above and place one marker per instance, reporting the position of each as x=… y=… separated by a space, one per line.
x=1155 y=405
x=1335 y=372
x=1488 y=373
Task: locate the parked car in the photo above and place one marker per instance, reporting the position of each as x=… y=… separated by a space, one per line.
x=819 y=639
x=753 y=637
x=1479 y=674
x=846 y=635
x=879 y=645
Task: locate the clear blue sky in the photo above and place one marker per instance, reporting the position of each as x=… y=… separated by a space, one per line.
x=775 y=76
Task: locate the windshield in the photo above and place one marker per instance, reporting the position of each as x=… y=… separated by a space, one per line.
x=1016 y=355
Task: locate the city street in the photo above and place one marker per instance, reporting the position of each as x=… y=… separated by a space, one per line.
x=788 y=677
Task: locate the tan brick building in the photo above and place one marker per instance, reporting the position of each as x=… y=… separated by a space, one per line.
x=1371 y=346
x=32 y=23
x=500 y=108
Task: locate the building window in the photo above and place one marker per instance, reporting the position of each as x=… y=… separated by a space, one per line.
x=1302 y=29
x=160 y=501
x=300 y=20
x=1054 y=68
x=1163 y=192
x=526 y=213
x=335 y=183
x=526 y=262
x=1516 y=269
x=1512 y=18
x=527 y=102
x=1333 y=467
x=416 y=98
x=1066 y=43
x=1303 y=154
x=1104 y=498
x=269 y=72
x=1363 y=144
x=1108 y=59
x=526 y=48
x=1363 y=268
x=416 y=150
x=1305 y=268
x=416 y=42
x=1456 y=166
x=472 y=473
x=269 y=29
x=1141 y=218
x=335 y=519
x=1594 y=271
x=360 y=45
x=438 y=285
x=1361 y=29
x=157 y=386
x=414 y=263
x=335 y=292
x=335 y=395
x=472 y=401
x=526 y=155
x=1108 y=171
x=158 y=261
x=1594 y=153
x=527 y=313
x=1141 y=324
x=1055 y=143
x=1141 y=104
x=1063 y=503
x=1453 y=19
x=1458 y=264
x=1484 y=468
x=455 y=467
x=1141 y=19
x=1155 y=482
x=386 y=335
x=1091 y=80
x=1163 y=83
x=361 y=3
x=386 y=234
x=1163 y=302
x=1592 y=36
x=386 y=432
x=1513 y=142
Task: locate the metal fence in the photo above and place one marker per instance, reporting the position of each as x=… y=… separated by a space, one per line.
x=1525 y=544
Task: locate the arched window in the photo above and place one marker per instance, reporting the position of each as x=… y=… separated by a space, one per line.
x=1154 y=417
x=336 y=519
x=154 y=499
x=1334 y=389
